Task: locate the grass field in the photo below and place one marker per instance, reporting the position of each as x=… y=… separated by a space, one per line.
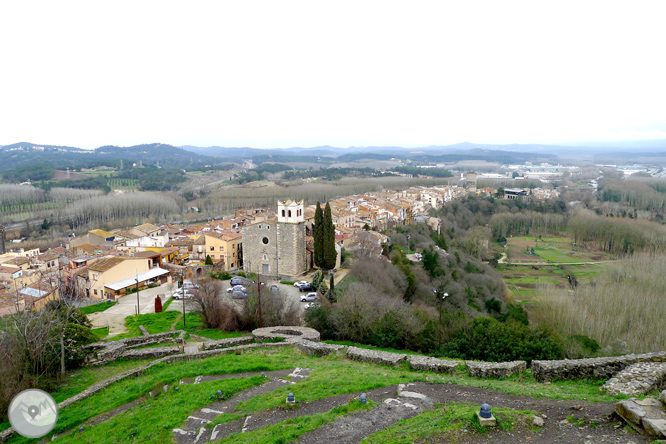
x=551 y=260
x=194 y=325
x=153 y=419
x=95 y=308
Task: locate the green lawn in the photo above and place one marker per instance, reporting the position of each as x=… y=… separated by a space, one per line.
x=153 y=322
x=101 y=333
x=153 y=420
x=95 y=308
x=194 y=325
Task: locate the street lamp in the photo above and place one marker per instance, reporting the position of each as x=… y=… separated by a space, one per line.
x=440 y=295
x=138 y=309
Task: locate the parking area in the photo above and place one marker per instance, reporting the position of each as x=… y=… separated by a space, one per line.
x=288 y=291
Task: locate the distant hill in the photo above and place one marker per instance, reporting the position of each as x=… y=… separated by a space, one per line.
x=25 y=154
x=450 y=153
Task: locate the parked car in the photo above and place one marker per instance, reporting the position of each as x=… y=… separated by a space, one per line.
x=310 y=297
x=237 y=288
x=239 y=280
x=189 y=285
x=182 y=294
x=305 y=288
x=237 y=294
x=301 y=283
x=310 y=305
x=275 y=289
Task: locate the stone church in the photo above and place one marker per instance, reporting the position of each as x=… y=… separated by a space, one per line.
x=277 y=247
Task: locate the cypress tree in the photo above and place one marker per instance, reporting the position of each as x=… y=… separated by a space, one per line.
x=329 y=256
x=318 y=236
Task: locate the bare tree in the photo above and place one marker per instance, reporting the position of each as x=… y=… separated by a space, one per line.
x=214 y=312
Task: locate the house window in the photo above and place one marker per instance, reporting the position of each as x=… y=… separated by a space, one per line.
x=221 y=248
x=289 y=213
x=265 y=240
x=264 y=257
x=95 y=277
x=212 y=248
x=282 y=213
x=95 y=292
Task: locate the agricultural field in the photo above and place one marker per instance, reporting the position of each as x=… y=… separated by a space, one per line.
x=535 y=262
x=123 y=184
x=557 y=250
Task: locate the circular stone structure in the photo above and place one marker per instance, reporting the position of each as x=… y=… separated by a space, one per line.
x=286 y=332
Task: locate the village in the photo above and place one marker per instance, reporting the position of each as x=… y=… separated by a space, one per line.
x=106 y=265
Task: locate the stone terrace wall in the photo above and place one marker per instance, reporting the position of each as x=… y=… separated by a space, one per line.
x=637 y=379
x=228 y=342
x=102 y=352
x=545 y=371
x=375 y=356
x=494 y=369
x=153 y=352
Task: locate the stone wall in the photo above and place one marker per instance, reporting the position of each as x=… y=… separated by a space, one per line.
x=153 y=352
x=545 y=371
x=317 y=348
x=286 y=332
x=254 y=248
x=291 y=249
x=101 y=352
x=638 y=379
x=375 y=356
x=228 y=342
x=493 y=370
x=427 y=363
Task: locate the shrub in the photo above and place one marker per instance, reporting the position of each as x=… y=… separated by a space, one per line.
x=317 y=278
x=222 y=275
x=487 y=339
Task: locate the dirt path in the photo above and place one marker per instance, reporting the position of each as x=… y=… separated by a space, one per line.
x=173 y=326
x=594 y=421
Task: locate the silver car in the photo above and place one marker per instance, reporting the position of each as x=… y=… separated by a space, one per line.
x=310 y=297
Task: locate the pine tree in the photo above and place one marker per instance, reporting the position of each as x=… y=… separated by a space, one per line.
x=208 y=261
x=318 y=236
x=329 y=253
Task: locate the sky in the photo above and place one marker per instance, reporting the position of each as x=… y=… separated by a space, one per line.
x=343 y=73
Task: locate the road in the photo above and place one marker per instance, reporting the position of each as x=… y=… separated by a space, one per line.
x=114 y=317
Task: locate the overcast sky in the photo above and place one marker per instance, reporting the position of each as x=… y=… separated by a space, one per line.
x=343 y=73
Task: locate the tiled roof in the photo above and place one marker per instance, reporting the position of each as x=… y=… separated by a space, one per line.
x=147 y=228
x=105 y=264
x=101 y=233
x=18 y=261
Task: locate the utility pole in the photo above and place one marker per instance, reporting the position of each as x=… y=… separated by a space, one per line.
x=259 y=296
x=440 y=297
x=138 y=309
x=181 y=278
